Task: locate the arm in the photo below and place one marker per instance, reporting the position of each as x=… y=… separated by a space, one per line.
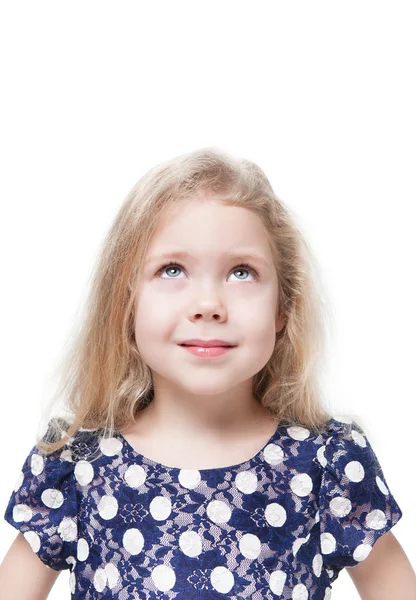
x=23 y=575
x=386 y=574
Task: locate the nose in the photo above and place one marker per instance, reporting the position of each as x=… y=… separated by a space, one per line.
x=207 y=304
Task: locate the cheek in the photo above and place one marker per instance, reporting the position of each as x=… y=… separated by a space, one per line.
x=257 y=314
x=261 y=337
x=153 y=320
x=146 y=336
x=258 y=332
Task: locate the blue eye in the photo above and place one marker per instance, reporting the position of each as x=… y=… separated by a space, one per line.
x=243 y=267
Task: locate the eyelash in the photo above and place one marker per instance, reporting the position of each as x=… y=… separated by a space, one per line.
x=246 y=266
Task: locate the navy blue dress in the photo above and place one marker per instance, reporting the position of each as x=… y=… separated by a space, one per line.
x=280 y=525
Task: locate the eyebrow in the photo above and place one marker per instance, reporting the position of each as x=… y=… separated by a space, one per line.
x=238 y=255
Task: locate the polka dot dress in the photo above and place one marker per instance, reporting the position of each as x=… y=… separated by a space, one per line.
x=280 y=525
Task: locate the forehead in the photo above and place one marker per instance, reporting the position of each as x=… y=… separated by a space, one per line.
x=209 y=226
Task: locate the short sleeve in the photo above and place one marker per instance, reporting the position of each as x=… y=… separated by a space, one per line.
x=356 y=506
x=43 y=506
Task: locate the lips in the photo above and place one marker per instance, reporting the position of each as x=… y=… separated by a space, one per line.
x=207 y=343
x=207 y=352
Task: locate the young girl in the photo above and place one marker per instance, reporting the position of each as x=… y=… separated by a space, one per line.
x=195 y=459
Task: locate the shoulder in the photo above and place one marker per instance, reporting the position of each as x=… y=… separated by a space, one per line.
x=332 y=440
x=346 y=450
x=42 y=471
x=83 y=445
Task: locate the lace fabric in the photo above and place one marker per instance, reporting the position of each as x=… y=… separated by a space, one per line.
x=280 y=525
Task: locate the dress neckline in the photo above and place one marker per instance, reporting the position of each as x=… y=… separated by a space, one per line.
x=138 y=457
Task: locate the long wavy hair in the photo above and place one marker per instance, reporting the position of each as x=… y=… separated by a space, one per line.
x=104 y=382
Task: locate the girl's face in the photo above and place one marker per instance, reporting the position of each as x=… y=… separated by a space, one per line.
x=208 y=295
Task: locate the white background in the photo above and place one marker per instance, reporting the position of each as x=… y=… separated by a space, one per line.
x=320 y=94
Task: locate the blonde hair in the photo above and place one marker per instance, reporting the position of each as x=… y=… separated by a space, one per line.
x=104 y=382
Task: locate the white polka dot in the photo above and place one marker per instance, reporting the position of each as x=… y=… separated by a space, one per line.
x=37 y=464
x=300 y=592
x=321 y=456
x=358 y=438
x=68 y=529
x=376 y=519
x=298 y=433
x=189 y=478
x=250 y=545
x=339 y=506
x=328 y=543
x=297 y=544
x=222 y=580
x=163 y=577
x=108 y=507
x=71 y=561
x=33 y=539
x=52 y=498
x=301 y=484
x=246 y=482
x=133 y=541
x=273 y=454
x=354 y=470
x=21 y=512
x=83 y=550
x=277 y=582
x=328 y=594
x=110 y=446
x=275 y=514
x=317 y=564
x=135 y=476
x=382 y=486
x=72 y=582
x=361 y=552
x=100 y=580
x=160 y=508
x=218 y=511
x=190 y=543
x=19 y=481
x=112 y=575
x=84 y=472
